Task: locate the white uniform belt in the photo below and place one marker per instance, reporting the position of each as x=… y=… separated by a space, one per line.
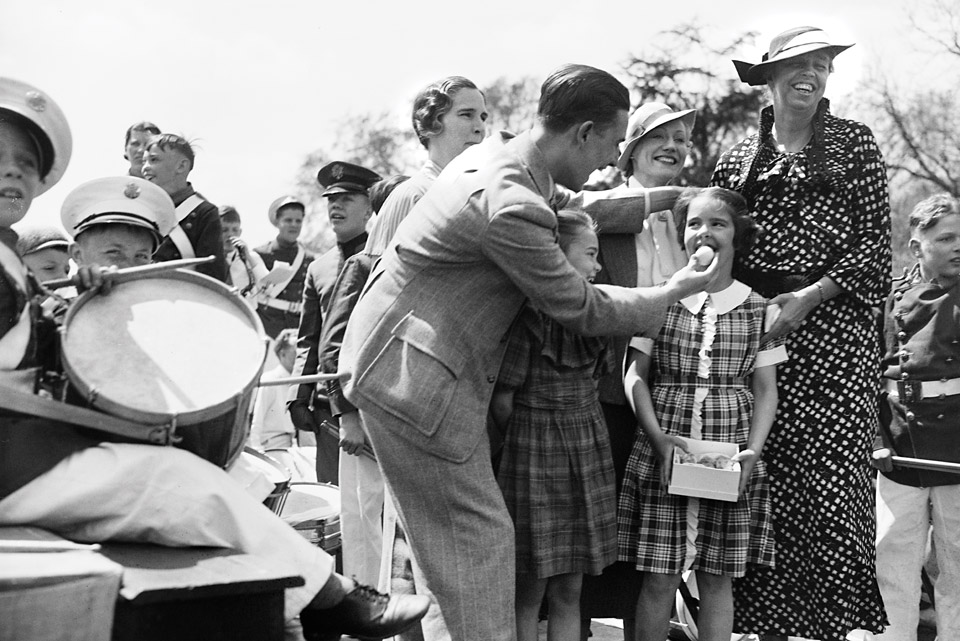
x=923 y=389
x=292 y=306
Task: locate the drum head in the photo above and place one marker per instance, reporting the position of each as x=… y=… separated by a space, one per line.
x=177 y=344
x=308 y=502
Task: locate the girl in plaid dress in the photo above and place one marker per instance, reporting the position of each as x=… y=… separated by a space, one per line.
x=556 y=470
x=714 y=378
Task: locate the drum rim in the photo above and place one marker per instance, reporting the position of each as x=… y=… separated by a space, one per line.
x=335 y=516
x=288 y=475
x=191 y=417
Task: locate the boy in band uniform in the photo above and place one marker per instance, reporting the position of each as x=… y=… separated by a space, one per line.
x=346 y=188
x=279 y=303
x=117 y=221
x=167 y=162
x=245 y=268
x=918 y=419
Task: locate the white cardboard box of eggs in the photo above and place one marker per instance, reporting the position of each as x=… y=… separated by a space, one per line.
x=702 y=475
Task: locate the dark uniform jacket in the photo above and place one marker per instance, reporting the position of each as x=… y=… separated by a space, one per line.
x=921 y=343
x=202 y=227
x=275 y=320
x=321 y=277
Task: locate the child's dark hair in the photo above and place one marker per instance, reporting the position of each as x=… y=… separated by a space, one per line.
x=930 y=211
x=381 y=190
x=229 y=214
x=172 y=141
x=746 y=230
x=570 y=223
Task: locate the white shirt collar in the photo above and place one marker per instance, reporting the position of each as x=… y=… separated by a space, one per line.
x=723 y=301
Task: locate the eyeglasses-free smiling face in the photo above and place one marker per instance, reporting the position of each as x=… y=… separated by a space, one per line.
x=659 y=156
x=800 y=82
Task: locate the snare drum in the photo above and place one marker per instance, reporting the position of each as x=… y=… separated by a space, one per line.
x=175 y=348
x=274 y=472
x=313 y=509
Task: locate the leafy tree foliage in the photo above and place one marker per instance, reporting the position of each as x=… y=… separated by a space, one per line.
x=512 y=104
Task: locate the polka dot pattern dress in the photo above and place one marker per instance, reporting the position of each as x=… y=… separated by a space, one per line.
x=825 y=212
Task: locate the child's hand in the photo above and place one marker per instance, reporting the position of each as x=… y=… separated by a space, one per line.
x=747 y=460
x=663 y=445
x=96 y=278
x=882 y=459
x=352 y=438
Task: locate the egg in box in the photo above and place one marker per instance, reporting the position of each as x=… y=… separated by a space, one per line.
x=705 y=471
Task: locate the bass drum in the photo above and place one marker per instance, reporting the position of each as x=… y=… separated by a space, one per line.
x=175 y=348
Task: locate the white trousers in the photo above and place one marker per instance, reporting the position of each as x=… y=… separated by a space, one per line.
x=162 y=495
x=361 y=506
x=903 y=522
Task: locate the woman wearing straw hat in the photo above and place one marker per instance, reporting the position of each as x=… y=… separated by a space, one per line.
x=817 y=185
x=658 y=140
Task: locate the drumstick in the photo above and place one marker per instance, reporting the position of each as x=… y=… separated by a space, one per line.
x=926 y=464
x=296 y=380
x=132 y=273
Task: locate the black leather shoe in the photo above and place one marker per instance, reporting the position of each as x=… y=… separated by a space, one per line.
x=366 y=614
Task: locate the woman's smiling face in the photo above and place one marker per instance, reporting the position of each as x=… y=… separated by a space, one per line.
x=801 y=81
x=659 y=156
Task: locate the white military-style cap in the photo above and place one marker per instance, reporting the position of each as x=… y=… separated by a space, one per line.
x=282 y=201
x=44 y=121
x=119 y=199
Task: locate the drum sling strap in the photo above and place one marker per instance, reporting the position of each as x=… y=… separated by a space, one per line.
x=13 y=344
x=24 y=402
x=178 y=235
x=274 y=290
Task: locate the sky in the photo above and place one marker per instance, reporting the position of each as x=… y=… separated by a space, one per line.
x=259 y=85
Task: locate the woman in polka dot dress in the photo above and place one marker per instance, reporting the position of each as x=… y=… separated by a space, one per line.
x=817 y=185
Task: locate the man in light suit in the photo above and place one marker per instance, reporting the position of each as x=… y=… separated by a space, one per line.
x=426 y=339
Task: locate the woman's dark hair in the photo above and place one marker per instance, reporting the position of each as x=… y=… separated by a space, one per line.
x=145 y=126
x=746 y=231
x=571 y=223
x=433 y=102
x=577 y=93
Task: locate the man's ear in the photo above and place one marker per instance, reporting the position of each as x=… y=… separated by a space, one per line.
x=75 y=252
x=915 y=247
x=584 y=130
x=183 y=165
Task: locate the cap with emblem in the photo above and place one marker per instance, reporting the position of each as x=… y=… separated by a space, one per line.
x=122 y=199
x=45 y=123
x=282 y=201
x=343 y=177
